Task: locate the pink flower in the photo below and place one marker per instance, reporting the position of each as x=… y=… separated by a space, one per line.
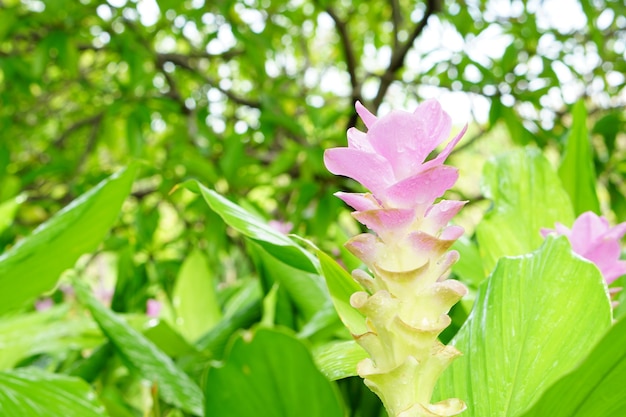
x=280 y=226
x=592 y=238
x=153 y=308
x=390 y=159
x=44 y=304
x=407 y=295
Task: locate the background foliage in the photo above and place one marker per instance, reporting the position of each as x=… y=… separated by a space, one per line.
x=242 y=97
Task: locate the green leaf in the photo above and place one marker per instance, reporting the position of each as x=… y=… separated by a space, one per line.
x=194 y=298
x=305 y=290
x=577 y=171
x=495 y=111
x=594 y=387
x=609 y=127
x=32 y=392
x=134 y=134
x=469 y=268
x=324 y=323
x=338 y=360
x=277 y=244
x=167 y=339
x=527 y=195
x=174 y=386
x=8 y=17
x=89 y=368
x=34 y=264
x=214 y=342
x=8 y=209
x=51 y=331
x=535 y=318
x=165 y=5
x=518 y=131
x=270 y=373
x=341 y=287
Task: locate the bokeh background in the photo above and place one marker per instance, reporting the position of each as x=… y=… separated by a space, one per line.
x=244 y=96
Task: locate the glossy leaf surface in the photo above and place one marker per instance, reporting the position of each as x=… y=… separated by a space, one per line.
x=341 y=287
x=174 y=386
x=194 y=297
x=253 y=227
x=338 y=360
x=577 y=171
x=527 y=330
x=34 y=264
x=527 y=195
x=32 y=392
x=272 y=374
x=595 y=387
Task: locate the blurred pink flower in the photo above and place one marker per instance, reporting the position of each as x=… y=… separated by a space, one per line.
x=44 y=304
x=592 y=238
x=389 y=160
x=280 y=226
x=153 y=308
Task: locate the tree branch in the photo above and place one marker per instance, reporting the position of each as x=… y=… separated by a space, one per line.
x=183 y=61
x=396 y=19
x=399 y=54
x=342 y=30
x=351 y=62
x=91 y=143
x=92 y=120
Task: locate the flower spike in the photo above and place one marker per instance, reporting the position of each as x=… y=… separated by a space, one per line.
x=408 y=256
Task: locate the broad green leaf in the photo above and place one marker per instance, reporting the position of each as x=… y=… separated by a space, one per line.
x=577 y=171
x=35 y=263
x=341 y=287
x=270 y=373
x=518 y=131
x=323 y=324
x=174 y=386
x=211 y=346
x=194 y=298
x=338 y=360
x=89 y=368
x=166 y=339
x=535 y=318
x=51 y=331
x=32 y=392
x=277 y=244
x=214 y=342
x=269 y=306
x=527 y=196
x=609 y=127
x=305 y=290
x=595 y=388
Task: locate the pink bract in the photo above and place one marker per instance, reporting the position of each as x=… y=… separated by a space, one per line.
x=592 y=238
x=389 y=160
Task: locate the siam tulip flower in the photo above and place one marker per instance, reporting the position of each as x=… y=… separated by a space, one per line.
x=592 y=238
x=407 y=296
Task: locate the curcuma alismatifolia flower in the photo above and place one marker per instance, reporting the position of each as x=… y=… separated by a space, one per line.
x=592 y=238
x=407 y=296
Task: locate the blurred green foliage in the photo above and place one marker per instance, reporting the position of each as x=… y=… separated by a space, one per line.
x=243 y=96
